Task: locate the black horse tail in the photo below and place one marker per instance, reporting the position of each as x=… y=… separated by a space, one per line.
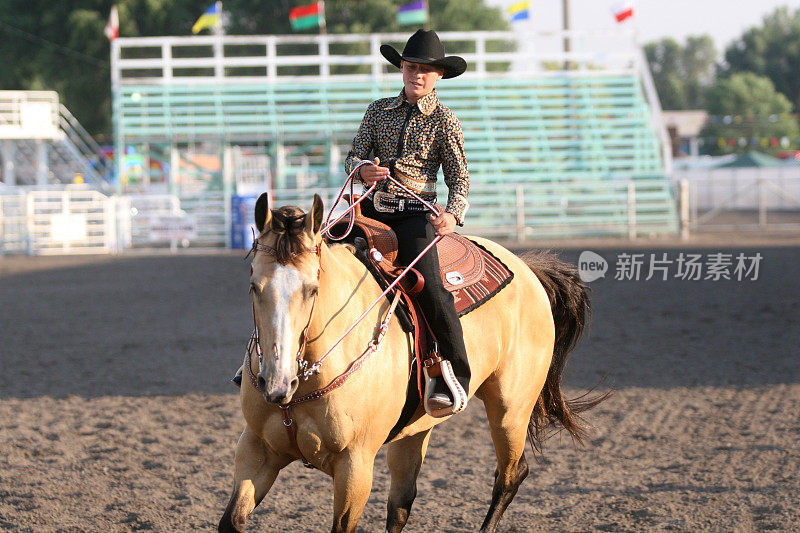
x=569 y=302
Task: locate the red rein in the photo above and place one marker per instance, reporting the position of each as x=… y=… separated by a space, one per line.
x=306 y=370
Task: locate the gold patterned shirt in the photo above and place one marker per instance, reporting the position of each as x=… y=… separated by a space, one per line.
x=415 y=140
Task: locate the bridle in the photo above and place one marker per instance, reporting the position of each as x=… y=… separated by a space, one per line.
x=306 y=369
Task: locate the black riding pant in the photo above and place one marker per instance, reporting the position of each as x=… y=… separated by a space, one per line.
x=414 y=232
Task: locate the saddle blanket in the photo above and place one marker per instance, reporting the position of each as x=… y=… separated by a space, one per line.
x=470 y=272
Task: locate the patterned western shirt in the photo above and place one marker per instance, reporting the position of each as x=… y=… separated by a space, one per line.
x=414 y=140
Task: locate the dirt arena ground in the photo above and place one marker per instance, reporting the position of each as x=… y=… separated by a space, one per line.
x=116 y=413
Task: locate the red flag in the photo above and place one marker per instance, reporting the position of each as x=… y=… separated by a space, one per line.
x=112 y=28
x=622 y=10
x=304 y=11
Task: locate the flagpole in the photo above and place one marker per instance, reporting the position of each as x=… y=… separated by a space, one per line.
x=219 y=29
x=323 y=27
x=567 y=41
x=427 y=24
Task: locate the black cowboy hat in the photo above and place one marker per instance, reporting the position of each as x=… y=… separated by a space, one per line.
x=426 y=48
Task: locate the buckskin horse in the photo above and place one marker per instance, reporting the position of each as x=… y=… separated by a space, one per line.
x=305 y=293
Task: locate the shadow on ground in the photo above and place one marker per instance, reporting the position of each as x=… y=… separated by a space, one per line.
x=166 y=325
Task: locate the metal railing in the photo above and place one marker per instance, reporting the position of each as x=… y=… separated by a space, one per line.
x=29 y=114
x=741 y=200
x=76 y=220
x=226 y=58
x=98 y=167
x=527 y=211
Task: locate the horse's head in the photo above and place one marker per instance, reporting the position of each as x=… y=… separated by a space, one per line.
x=284 y=284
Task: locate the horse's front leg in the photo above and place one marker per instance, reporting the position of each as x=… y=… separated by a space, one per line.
x=405 y=460
x=352 y=481
x=255 y=470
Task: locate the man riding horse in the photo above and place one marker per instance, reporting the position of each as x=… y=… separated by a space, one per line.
x=410 y=136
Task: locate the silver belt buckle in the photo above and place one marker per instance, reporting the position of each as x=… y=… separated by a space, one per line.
x=377 y=202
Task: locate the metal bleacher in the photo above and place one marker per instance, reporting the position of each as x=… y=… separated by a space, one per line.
x=564 y=153
x=43 y=144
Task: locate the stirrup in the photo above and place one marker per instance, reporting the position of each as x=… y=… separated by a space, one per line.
x=435 y=367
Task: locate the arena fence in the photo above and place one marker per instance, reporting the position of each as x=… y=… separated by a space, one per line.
x=743 y=199
x=48 y=222
x=73 y=221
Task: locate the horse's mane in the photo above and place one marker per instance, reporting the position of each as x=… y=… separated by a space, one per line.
x=288 y=223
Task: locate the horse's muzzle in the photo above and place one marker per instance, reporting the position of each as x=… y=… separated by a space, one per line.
x=278 y=393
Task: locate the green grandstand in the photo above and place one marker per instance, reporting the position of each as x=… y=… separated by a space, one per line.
x=557 y=154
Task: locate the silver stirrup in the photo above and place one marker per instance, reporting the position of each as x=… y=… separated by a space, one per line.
x=456 y=391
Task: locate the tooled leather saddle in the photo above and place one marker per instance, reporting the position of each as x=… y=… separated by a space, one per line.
x=470 y=272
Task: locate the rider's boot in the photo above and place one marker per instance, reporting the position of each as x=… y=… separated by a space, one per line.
x=444 y=393
x=237 y=379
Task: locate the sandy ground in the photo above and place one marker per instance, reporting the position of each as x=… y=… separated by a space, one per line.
x=116 y=413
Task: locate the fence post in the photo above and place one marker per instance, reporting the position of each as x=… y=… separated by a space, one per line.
x=228 y=190
x=684 y=206
x=631 y=210
x=520 y=213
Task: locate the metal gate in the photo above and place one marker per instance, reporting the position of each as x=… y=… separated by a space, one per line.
x=69 y=222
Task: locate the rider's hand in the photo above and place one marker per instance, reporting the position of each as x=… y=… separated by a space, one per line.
x=372 y=173
x=445 y=223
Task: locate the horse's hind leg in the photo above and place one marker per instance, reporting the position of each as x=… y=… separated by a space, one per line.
x=405 y=459
x=255 y=470
x=508 y=420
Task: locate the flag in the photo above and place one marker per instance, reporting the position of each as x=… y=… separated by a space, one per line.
x=305 y=17
x=112 y=28
x=209 y=18
x=413 y=13
x=622 y=10
x=519 y=10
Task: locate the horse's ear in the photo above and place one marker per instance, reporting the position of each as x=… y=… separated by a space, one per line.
x=314 y=217
x=263 y=214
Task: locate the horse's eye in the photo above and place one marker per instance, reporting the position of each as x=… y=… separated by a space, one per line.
x=311 y=290
x=253 y=288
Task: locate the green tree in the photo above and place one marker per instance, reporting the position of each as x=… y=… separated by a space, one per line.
x=60 y=46
x=682 y=74
x=771 y=50
x=747 y=108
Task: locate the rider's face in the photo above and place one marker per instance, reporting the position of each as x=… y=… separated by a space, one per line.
x=419 y=79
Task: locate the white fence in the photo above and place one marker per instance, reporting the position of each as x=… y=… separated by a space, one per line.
x=80 y=221
x=72 y=221
x=741 y=199
x=83 y=221
x=230 y=58
x=46 y=222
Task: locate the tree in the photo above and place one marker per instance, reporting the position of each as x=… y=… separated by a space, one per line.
x=60 y=46
x=682 y=74
x=746 y=111
x=771 y=50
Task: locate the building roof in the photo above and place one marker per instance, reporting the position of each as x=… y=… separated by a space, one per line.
x=687 y=123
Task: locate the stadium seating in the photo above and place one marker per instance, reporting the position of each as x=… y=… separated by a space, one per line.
x=564 y=152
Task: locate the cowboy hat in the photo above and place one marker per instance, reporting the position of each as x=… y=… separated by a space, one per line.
x=426 y=48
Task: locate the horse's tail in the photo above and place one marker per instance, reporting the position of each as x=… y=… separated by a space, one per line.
x=569 y=301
